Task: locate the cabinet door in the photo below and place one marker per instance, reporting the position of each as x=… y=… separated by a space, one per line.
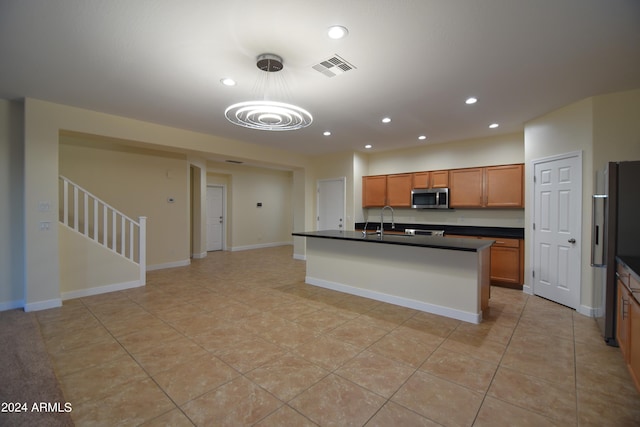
x=466 y=187
x=505 y=264
x=374 y=191
x=622 y=333
x=439 y=179
x=421 y=179
x=634 y=342
x=504 y=186
x=399 y=190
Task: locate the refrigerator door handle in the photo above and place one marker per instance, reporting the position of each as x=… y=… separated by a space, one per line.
x=598 y=204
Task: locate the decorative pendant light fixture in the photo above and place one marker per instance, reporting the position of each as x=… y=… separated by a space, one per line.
x=268 y=115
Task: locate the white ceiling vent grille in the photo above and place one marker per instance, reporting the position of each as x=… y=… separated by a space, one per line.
x=333 y=66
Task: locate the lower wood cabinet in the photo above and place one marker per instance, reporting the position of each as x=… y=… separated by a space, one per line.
x=634 y=342
x=628 y=322
x=507 y=261
x=623 y=319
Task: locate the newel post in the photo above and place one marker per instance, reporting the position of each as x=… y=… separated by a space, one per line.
x=142 y=246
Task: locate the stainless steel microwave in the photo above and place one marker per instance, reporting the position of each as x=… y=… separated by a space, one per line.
x=430 y=198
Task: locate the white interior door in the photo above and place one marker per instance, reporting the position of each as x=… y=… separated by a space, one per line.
x=557 y=219
x=331 y=204
x=215 y=218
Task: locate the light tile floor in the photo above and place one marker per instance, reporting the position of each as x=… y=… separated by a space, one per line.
x=239 y=339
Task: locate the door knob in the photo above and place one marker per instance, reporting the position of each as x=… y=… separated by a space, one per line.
x=572 y=240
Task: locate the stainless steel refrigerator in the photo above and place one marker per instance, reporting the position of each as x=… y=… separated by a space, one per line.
x=616 y=231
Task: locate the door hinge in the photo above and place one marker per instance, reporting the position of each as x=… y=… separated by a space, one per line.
x=533 y=273
x=534 y=178
x=534 y=225
x=318 y=218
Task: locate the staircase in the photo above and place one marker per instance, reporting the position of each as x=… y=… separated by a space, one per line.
x=104 y=225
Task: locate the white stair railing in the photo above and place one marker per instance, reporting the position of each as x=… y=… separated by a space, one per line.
x=99 y=221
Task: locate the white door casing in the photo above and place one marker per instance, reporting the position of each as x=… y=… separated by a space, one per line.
x=330 y=204
x=557 y=227
x=215 y=218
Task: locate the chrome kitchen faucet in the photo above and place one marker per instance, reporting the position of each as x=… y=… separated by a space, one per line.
x=393 y=224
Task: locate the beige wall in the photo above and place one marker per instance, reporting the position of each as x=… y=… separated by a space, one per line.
x=616 y=127
x=497 y=150
x=138 y=182
x=11 y=205
x=249 y=226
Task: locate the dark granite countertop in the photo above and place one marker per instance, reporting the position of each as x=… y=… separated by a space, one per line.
x=632 y=263
x=437 y=242
x=465 y=230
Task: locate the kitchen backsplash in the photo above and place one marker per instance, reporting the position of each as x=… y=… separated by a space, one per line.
x=463 y=217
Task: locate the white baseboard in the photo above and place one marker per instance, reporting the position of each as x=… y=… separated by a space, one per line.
x=11 y=305
x=43 y=305
x=200 y=255
x=300 y=257
x=527 y=289
x=100 y=290
x=173 y=264
x=259 y=246
x=404 y=302
x=587 y=311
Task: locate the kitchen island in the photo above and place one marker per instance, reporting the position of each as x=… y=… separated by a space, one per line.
x=448 y=277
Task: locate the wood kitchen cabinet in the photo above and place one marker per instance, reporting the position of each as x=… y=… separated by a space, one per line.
x=466 y=188
x=382 y=190
x=504 y=186
x=628 y=322
x=507 y=261
x=634 y=342
x=432 y=179
x=440 y=179
x=421 y=180
x=623 y=320
x=399 y=190
x=488 y=187
x=374 y=191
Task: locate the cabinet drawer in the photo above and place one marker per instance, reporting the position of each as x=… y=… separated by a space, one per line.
x=507 y=243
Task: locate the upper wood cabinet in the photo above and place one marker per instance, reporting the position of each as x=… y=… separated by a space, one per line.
x=433 y=179
x=422 y=180
x=466 y=188
x=490 y=187
x=374 y=191
x=503 y=186
x=484 y=187
x=439 y=179
x=399 y=190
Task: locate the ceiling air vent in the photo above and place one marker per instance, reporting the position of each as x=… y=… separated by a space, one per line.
x=333 y=66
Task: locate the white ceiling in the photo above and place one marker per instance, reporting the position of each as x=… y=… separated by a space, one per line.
x=416 y=62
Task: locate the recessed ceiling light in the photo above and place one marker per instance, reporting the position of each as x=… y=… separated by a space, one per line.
x=228 y=81
x=422 y=137
x=386 y=120
x=368 y=146
x=337 y=32
x=326 y=133
x=493 y=125
x=471 y=100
